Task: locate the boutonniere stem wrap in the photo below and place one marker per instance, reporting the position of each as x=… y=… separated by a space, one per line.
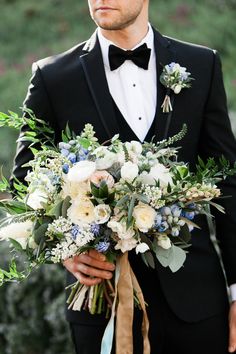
x=174 y=77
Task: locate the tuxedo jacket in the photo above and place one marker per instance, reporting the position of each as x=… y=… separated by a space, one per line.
x=72 y=87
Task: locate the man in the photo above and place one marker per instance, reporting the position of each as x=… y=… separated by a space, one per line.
x=188 y=310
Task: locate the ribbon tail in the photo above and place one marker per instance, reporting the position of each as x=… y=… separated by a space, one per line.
x=107 y=339
x=145 y=323
x=125 y=309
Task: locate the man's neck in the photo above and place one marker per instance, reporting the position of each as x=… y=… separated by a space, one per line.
x=126 y=38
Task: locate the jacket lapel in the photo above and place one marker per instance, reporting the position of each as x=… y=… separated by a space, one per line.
x=94 y=71
x=164 y=55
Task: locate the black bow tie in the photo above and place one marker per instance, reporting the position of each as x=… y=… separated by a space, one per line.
x=139 y=56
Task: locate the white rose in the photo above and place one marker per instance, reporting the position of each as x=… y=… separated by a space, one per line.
x=177 y=89
x=126 y=245
x=105 y=158
x=141 y=248
x=121 y=229
x=129 y=171
x=160 y=173
x=36 y=199
x=164 y=242
x=74 y=189
x=115 y=226
x=81 y=212
x=144 y=216
x=81 y=171
x=20 y=232
x=102 y=213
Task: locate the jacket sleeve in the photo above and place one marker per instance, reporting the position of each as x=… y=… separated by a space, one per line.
x=38 y=100
x=217 y=139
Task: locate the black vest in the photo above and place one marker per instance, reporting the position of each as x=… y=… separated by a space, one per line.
x=126 y=133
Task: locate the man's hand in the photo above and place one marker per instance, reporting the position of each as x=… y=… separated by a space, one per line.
x=232 y=328
x=91 y=268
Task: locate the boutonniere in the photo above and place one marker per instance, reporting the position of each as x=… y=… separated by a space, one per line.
x=174 y=77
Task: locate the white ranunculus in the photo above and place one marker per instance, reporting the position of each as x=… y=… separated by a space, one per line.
x=36 y=199
x=102 y=213
x=126 y=244
x=74 y=189
x=20 y=232
x=164 y=242
x=129 y=171
x=81 y=171
x=105 y=158
x=115 y=226
x=160 y=173
x=81 y=212
x=144 y=216
x=121 y=229
x=134 y=146
x=141 y=248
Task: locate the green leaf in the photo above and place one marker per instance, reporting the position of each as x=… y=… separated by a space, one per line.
x=185 y=234
x=56 y=209
x=165 y=257
x=16 y=244
x=178 y=259
x=39 y=233
x=131 y=209
x=65 y=206
x=148 y=259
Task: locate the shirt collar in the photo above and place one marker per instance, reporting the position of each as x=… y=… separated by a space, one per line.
x=105 y=43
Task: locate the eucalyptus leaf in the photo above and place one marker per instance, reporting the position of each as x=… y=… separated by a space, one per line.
x=178 y=259
x=165 y=257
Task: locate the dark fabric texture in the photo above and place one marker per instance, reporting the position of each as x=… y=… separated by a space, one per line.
x=168 y=334
x=72 y=87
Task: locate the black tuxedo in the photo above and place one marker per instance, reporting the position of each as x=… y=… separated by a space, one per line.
x=72 y=87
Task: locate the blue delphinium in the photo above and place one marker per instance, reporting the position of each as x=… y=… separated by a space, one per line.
x=102 y=246
x=72 y=157
x=65 y=168
x=95 y=229
x=75 y=231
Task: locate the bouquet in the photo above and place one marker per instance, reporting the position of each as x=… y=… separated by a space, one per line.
x=113 y=197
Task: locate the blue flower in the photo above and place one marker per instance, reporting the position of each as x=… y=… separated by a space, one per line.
x=188 y=215
x=65 y=146
x=95 y=229
x=64 y=152
x=102 y=246
x=163 y=226
x=176 y=211
x=75 y=231
x=166 y=211
x=72 y=157
x=65 y=168
x=158 y=220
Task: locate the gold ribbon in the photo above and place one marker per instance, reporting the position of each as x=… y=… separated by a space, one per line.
x=127 y=284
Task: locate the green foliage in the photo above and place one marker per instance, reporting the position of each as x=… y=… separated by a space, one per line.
x=32 y=317
x=32 y=313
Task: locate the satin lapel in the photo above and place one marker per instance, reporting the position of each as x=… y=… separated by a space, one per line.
x=94 y=71
x=164 y=55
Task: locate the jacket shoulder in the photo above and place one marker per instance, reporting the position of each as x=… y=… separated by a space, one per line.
x=61 y=60
x=190 y=48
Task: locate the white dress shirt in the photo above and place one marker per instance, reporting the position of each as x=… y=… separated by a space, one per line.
x=133 y=89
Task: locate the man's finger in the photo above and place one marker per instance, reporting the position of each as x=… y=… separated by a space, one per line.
x=97 y=255
x=94 y=272
x=83 y=279
x=94 y=262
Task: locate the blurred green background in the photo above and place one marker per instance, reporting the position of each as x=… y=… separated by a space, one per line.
x=32 y=314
